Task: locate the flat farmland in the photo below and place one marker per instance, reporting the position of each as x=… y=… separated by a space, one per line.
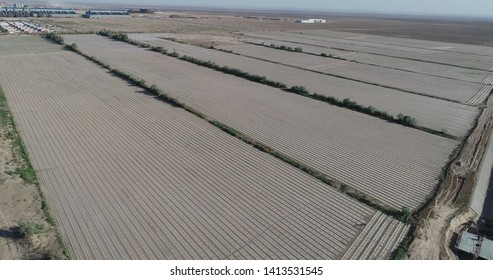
x=395 y=41
x=131 y=177
x=466 y=60
x=450 y=89
x=430 y=112
x=434 y=69
x=351 y=147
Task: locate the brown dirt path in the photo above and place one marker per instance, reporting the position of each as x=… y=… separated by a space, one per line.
x=21 y=202
x=433 y=232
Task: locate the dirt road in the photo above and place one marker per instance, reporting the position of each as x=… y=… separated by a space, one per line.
x=450 y=207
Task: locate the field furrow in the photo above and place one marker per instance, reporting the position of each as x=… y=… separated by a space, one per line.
x=131 y=177
x=379 y=238
x=429 y=112
x=481 y=96
x=413 y=82
x=351 y=147
x=476 y=62
x=439 y=70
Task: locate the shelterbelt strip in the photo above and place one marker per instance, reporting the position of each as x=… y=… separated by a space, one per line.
x=353 y=148
x=471 y=60
x=132 y=177
x=417 y=83
x=429 y=112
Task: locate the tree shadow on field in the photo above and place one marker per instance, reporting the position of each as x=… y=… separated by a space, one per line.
x=141 y=90
x=11 y=233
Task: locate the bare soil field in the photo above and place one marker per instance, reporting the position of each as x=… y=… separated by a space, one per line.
x=429 y=68
x=413 y=82
x=361 y=147
x=132 y=177
x=440 y=55
x=430 y=112
x=135 y=24
x=476 y=32
x=24 y=230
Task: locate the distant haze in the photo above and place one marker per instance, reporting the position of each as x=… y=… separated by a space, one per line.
x=419 y=7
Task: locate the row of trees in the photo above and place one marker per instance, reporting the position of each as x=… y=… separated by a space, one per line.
x=346 y=103
x=119 y=36
x=55 y=38
x=286 y=48
x=353 y=105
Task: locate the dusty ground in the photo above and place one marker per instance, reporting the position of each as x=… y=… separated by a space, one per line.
x=20 y=202
x=454 y=31
x=449 y=210
x=447 y=30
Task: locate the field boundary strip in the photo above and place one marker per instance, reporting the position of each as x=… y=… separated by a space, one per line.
x=27 y=171
x=404 y=120
x=338 y=57
x=402 y=215
x=350 y=79
x=379 y=54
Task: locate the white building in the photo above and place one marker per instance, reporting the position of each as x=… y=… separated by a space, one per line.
x=311 y=20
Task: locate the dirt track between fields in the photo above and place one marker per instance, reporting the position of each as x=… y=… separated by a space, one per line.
x=449 y=210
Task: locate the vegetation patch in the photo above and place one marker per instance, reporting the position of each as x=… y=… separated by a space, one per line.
x=27 y=229
x=401 y=250
x=119 y=36
x=347 y=103
x=284 y=48
x=57 y=38
x=26 y=170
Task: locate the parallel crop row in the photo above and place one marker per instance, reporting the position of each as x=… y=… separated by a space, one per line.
x=131 y=177
x=350 y=147
x=439 y=115
x=418 y=83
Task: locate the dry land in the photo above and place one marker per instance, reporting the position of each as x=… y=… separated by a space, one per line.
x=351 y=147
x=481 y=59
x=130 y=176
x=424 y=84
x=430 y=112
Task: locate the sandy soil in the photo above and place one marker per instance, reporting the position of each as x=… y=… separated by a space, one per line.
x=21 y=202
x=450 y=208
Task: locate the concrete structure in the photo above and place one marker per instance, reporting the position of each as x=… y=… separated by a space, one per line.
x=475 y=245
x=106 y=13
x=311 y=20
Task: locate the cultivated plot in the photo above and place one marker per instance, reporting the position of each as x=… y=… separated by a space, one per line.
x=430 y=112
x=354 y=148
x=434 y=69
x=394 y=41
x=435 y=86
x=466 y=60
x=131 y=177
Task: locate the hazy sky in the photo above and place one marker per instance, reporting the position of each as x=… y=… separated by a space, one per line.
x=446 y=7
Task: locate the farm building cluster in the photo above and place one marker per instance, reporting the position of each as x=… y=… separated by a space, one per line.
x=23 y=10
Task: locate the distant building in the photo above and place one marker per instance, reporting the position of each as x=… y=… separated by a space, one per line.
x=52 y=12
x=106 y=13
x=311 y=20
x=20 y=10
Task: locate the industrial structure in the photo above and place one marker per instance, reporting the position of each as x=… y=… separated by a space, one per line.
x=106 y=13
x=21 y=10
x=476 y=246
x=311 y=20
